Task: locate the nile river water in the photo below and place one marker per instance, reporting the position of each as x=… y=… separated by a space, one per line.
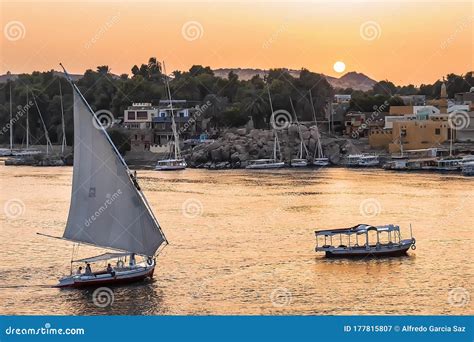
x=242 y=242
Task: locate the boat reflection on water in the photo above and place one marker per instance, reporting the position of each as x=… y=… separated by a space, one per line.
x=116 y=300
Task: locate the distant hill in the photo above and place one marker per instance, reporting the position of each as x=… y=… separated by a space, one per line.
x=354 y=80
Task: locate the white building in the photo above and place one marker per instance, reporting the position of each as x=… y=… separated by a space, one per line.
x=139 y=115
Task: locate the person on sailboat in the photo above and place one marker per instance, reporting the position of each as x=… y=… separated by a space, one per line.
x=88 y=270
x=133 y=176
x=110 y=270
x=79 y=270
x=132 y=262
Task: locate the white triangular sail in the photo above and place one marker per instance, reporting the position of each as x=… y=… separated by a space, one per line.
x=107 y=208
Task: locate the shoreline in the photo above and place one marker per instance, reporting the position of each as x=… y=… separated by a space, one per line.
x=286 y=168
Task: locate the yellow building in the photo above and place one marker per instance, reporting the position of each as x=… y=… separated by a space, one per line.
x=401 y=110
x=421 y=131
x=414 y=135
x=418 y=134
x=380 y=137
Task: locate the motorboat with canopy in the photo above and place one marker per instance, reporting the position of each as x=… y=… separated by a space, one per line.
x=356 y=241
x=108 y=208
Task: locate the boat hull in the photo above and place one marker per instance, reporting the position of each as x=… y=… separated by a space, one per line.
x=265 y=166
x=170 y=168
x=299 y=163
x=120 y=278
x=375 y=251
x=368 y=254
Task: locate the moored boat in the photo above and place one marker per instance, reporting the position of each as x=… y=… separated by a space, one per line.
x=175 y=160
x=171 y=164
x=388 y=241
x=299 y=162
x=271 y=163
x=265 y=164
x=321 y=161
x=362 y=160
x=449 y=164
x=468 y=169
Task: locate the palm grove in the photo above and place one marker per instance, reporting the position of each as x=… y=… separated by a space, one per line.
x=232 y=101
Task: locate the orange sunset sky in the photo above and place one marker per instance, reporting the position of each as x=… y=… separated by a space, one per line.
x=405 y=42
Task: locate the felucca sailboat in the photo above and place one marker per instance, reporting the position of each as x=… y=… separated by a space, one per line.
x=108 y=208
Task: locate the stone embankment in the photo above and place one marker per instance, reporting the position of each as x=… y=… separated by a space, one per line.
x=237 y=146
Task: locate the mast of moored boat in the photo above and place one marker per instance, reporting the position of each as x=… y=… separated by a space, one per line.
x=11 y=119
x=401 y=144
x=63 y=126
x=450 y=141
x=46 y=134
x=276 y=143
x=302 y=144
x=27 y=119
x=177 y=152
x=319 y=149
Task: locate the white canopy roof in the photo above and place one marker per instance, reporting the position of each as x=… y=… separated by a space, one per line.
x=105 y=256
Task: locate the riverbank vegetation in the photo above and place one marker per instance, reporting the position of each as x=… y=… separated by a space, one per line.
x=233 y=101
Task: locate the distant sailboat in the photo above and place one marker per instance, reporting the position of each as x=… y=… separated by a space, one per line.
x=274 y=163
x=303 y=151
x=319 y=158
x=107 y=209
x=177 y=162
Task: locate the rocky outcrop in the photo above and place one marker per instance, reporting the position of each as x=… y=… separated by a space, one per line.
x=237 y=146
